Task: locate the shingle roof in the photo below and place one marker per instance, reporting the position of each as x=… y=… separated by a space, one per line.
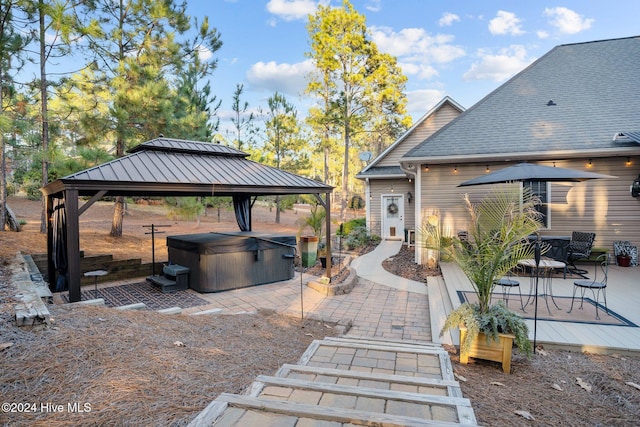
x=382 y=171
x=167 y=166
x=574 y=98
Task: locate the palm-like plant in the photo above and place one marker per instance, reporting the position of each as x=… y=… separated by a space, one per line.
x=497 y=239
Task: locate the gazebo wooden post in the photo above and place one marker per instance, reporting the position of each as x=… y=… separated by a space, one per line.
x=51 y=269
x=73 y=244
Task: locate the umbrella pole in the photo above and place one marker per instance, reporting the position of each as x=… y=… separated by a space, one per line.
x=535 y=301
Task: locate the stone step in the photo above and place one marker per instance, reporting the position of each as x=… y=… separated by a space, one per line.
x=432 y=386
x=410 y=360
x=235 y=410
x=369 y=399
x=354 y=381
x=385 y=342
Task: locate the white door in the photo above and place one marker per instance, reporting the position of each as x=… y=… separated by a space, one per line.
x=393 y=217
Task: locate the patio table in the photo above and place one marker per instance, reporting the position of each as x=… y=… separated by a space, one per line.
x=543 y=270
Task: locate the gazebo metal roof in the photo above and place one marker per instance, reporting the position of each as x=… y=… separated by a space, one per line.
x=167 y=167
x=172 y=167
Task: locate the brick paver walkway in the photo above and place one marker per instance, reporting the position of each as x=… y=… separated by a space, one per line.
x=375 y=310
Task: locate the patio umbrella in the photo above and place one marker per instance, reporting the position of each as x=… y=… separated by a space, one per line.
x=533 y=172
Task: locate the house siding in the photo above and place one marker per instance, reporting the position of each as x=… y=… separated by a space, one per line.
x=428 y=127
x=380 y=187
x=603 y=206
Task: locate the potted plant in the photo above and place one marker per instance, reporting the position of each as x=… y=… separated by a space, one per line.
x=496 y=240
x=624 y=257
x=309 y=244
x=322 y=254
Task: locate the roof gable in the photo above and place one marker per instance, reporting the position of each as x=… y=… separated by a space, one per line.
x=574 y=98
x=388 y=161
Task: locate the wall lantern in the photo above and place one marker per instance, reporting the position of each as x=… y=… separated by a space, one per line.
x=635 y=187
x=409 y=196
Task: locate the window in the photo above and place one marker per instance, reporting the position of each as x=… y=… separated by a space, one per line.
x=540 y=189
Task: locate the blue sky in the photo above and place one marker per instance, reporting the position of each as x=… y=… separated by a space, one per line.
x=463 y=49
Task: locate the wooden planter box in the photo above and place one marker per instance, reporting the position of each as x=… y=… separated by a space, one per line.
x=495 y=351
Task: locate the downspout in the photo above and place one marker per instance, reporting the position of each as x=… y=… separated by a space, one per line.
x=367 y=202
x=414 y=173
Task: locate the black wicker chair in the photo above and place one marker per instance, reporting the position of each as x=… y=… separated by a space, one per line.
x=579 y=248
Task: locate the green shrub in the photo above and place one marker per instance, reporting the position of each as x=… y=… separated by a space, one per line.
x=359 y=237
x=348 y=226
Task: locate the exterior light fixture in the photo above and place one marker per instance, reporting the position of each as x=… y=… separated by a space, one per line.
x=589 y=164
x=628 y=161
x=455 y=169
x=487 y=170
x=426 y=168
x=409 y=196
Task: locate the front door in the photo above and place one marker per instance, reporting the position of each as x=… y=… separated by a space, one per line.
x=393 y=217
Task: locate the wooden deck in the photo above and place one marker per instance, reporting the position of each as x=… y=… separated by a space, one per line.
x=623 y=297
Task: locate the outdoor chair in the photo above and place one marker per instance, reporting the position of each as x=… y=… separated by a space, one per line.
x=507 y=283
x=597 y=285
x=579 y=248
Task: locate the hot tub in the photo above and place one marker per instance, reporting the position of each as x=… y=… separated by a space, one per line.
x=224 y=261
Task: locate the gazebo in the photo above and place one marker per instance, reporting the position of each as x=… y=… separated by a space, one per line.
x=165 y=167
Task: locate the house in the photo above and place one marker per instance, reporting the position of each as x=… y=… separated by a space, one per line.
x=578 y=107
x=388 y=186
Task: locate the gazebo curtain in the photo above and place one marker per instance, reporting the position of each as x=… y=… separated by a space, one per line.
x=59 y=225
x=242 y=208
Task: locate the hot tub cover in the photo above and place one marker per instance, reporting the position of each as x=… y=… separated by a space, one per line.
x=217 y=243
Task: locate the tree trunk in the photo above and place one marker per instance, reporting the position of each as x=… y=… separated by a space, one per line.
x=278 y=209
x=44 y=113
x=3 y=174
x=118 y=215
x=345 y=171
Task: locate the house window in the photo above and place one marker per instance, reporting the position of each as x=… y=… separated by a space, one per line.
x=540 y=189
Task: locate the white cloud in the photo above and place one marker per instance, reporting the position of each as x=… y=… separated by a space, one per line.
x=204 y=53
x=567 y=21
x=420 y=101
x=505 y=23
x=448 y=19
x=422 y=71
x=416 y=49
x=542 y=34
x=374 y=6
x=285 y=78
x=292 y=10
x=499 y=67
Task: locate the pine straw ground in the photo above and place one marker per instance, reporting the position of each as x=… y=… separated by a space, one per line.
x=140 y=368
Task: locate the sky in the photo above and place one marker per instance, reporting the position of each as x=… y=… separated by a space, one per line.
x=463 y=49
